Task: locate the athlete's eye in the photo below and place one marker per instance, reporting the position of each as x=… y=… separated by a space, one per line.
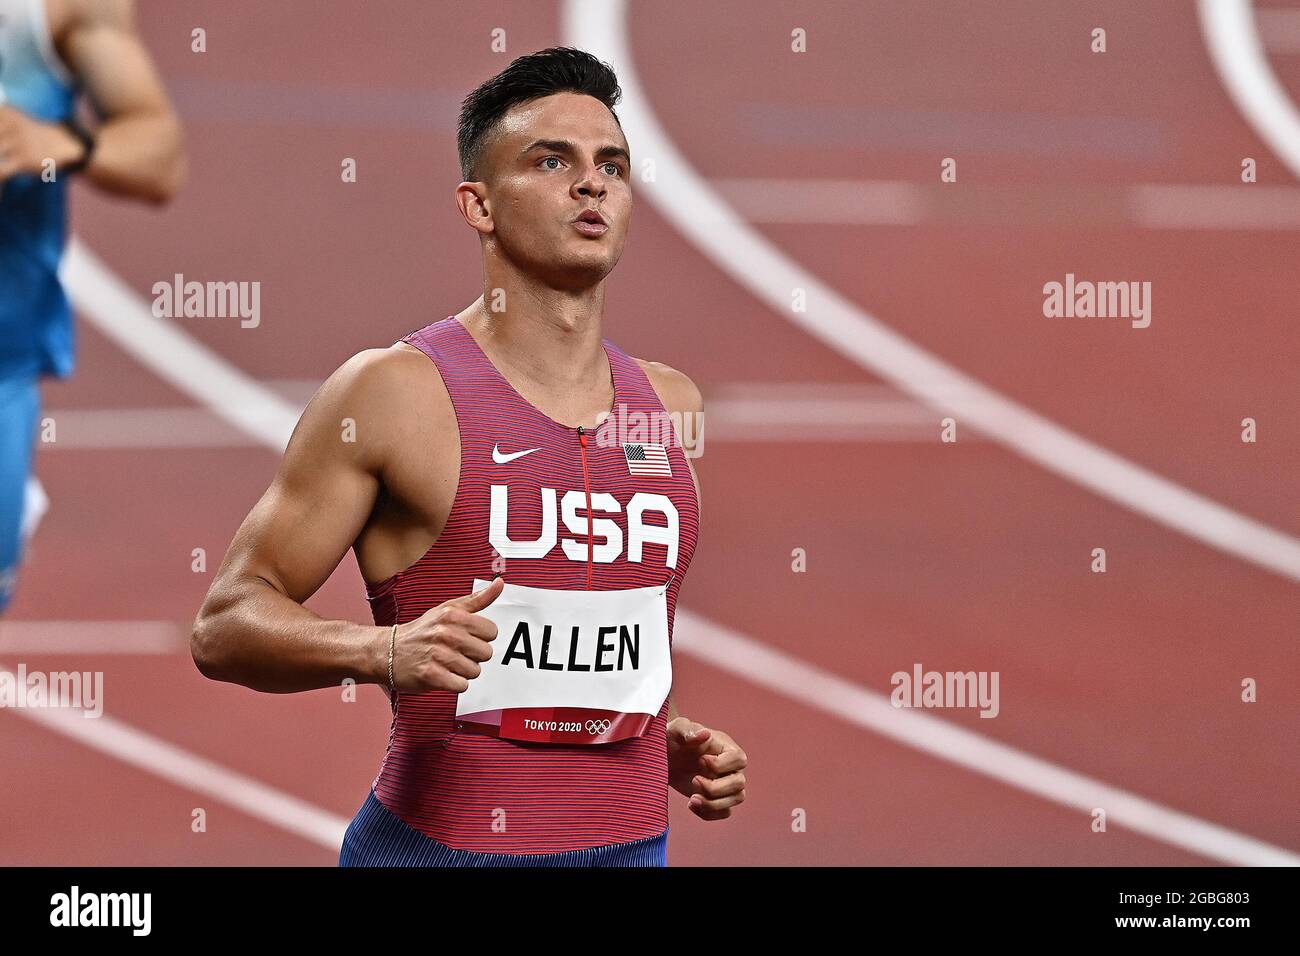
x=549 y=158
x=614 y=167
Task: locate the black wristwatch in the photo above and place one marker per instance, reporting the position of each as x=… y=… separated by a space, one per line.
x=87 y=141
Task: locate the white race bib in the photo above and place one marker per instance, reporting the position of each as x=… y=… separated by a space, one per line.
x=571 y=667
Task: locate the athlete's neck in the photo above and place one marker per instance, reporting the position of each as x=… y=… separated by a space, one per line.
x=550 y=336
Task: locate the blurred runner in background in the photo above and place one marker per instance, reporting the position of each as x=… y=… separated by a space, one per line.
x=50 y=51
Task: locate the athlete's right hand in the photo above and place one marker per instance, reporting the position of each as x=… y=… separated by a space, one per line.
x=443 y=647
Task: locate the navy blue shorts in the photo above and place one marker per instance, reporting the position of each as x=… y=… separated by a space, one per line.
x=376 y=837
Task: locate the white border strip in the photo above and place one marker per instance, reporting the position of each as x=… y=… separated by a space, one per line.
x=685 y=200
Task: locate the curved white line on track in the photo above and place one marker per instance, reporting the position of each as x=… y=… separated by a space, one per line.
x=1228 y=28
x=683 y=198
x=125 y=317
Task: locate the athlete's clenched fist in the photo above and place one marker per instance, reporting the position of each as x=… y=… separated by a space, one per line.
x=443 y=647
x=707 y=766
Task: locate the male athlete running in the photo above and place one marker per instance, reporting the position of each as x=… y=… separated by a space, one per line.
x=49 y=49
x=522 y=551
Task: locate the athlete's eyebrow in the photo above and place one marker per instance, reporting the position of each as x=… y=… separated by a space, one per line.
x=569 y=149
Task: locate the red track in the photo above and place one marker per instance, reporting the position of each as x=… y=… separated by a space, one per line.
x=957 y=556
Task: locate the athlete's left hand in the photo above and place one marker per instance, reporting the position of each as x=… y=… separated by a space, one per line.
x=26 y=143
x=707 y=766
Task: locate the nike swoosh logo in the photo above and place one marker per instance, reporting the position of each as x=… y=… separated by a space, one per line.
x=501 y=459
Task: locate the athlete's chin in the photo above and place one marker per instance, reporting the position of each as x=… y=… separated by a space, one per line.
x=585 y=270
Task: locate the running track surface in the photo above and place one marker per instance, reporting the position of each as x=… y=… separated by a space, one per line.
x=958 y=556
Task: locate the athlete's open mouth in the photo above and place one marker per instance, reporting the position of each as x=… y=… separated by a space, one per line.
x=591 y=223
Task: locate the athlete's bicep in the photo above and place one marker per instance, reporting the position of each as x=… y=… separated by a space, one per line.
x=325 y=488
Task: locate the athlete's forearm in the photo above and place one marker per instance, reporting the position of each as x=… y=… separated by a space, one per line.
x=139 y=155
x=251 y=634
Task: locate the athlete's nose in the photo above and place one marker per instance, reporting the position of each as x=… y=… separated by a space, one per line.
x=592 y=184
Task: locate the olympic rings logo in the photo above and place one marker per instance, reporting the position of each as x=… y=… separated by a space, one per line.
x=597 y=726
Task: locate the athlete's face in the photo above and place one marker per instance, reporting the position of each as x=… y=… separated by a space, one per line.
x=552 y=160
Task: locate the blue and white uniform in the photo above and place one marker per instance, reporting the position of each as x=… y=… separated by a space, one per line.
x=36 y=331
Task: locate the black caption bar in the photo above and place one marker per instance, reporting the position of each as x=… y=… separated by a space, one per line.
x=179 y=905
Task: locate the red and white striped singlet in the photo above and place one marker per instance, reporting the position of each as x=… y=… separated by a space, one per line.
x=448 y=783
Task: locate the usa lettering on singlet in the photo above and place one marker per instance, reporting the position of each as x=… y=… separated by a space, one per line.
x=564 y=731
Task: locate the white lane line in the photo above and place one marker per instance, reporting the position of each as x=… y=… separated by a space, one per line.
x=817 y=412
x=91 y=637
x=1199 y=206
x=105 y=429
x=1228 y=28
x=739 y=250
x=165 y=349
x=796 y=679
x=828 y=201
x=739 y=412
x=190 y=772
x=870 y=202
x=744 y=421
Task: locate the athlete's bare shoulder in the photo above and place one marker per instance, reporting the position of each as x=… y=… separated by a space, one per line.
x=681 y=398
x=376 y=376
x=675 y=389
x=383 y=398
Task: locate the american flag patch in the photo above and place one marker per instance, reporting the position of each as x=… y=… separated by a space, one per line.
x=647 y=461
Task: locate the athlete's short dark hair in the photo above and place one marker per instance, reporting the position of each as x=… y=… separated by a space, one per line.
x=559 y=69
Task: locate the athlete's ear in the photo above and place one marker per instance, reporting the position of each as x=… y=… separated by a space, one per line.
x=472 y=201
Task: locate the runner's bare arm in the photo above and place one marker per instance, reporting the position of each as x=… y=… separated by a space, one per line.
x=252 y=628
x=138 y=146
x=704 y=764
